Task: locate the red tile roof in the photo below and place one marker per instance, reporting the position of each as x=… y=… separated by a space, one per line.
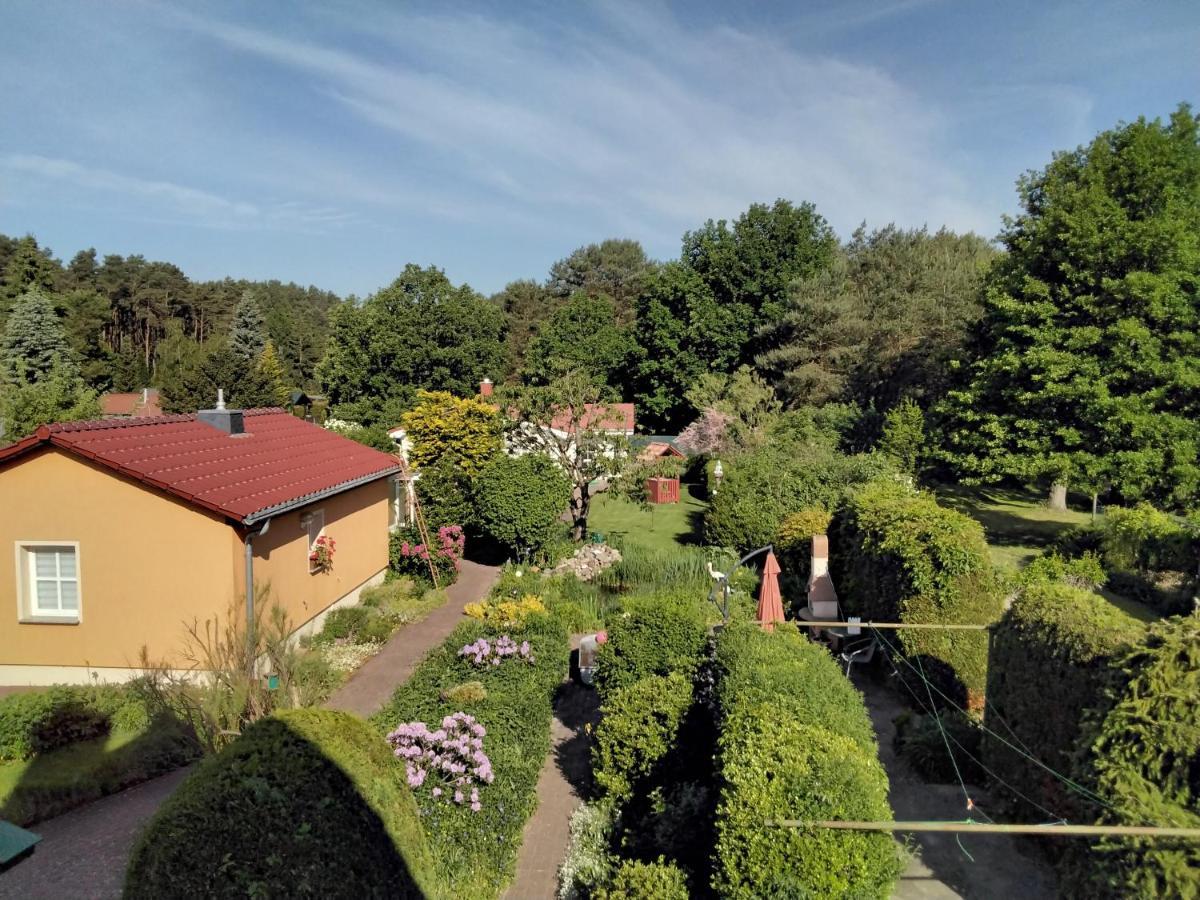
x=610 y=417
x=279 y=460
x=131 y=404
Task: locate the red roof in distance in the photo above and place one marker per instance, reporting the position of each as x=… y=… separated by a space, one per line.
x=131 y=404
x=278 y=461
x=608 y=417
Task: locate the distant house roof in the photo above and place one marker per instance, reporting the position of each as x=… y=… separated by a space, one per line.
x=136 y=403
x=609 y=417
x=657 y=450
x=279 y=462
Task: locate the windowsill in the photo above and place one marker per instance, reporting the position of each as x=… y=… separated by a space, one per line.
x=49 y=620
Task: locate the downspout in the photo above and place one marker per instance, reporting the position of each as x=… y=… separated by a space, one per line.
x=251 y=640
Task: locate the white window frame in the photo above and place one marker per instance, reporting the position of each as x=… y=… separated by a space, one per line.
x=314 y=524
x=27 y=608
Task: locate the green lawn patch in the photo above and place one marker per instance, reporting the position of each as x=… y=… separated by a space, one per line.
x=661 y=526
x=51 y=783
x=1018 y=524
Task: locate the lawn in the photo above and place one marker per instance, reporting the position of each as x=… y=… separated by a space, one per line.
x=1018 y=524
x=660 y=526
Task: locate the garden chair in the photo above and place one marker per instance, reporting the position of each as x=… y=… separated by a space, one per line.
x=862 y=652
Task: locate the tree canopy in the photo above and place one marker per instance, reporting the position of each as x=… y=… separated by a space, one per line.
x=1086 y=364
x=582 y=334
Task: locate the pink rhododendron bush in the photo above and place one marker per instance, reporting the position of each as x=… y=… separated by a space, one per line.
x=449 y=762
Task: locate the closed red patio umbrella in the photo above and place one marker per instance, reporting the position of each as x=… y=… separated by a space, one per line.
x=770 y=604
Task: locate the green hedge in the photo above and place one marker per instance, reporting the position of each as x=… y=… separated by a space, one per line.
x=304 y=803
x=519 y=501
x=786 y=669
x=40 y=721
x=475 y=852
x=639 y=724
x=762 y=487
x=809 y=759
x=657 y=880
x=1053 y=659
x=653 y=636
x=897 y=556
x=1145 y=765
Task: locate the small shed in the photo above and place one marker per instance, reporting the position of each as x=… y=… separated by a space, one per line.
x=662 y=490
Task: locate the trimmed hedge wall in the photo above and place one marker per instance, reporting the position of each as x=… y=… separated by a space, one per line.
x=795 y=758
x=305 y=803
x=653 y=636
x=475 y=852
x=40 y=721
x=897 y=556
x=1145 y=764
x=1053 y=658
x=639 y=725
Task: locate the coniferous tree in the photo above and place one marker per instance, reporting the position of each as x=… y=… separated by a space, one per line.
x=270 y=369
x=30 y=267
x=196 y=388
x=247 y=336
x=33 y=339
x=60 y=395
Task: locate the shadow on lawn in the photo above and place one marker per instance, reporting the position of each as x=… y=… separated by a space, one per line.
x=1008 y=528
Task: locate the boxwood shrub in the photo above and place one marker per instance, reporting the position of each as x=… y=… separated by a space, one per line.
x=811 y=758
x=634 y=880
x=897 y=556
x=40 y=721
x=475 y=852
x=305 y=803
x=1053 y=659
x=653 y=636
x=1145 y=764
x=638 y=727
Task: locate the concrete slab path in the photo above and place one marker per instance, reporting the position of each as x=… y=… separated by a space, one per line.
x=373 y=684
x=999 y=865
x=562 y=786
x=83 y=853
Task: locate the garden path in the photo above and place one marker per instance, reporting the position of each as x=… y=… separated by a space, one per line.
x=377 y=679
x=999 y=865
x=561 y=787
x=83 y=853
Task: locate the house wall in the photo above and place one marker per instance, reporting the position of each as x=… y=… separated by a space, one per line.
x=147 y=563
x=357 y=520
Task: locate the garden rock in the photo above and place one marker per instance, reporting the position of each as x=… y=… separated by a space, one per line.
x=588 y=562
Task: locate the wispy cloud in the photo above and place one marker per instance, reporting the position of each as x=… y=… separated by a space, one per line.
x=190 y=204
x=641 y=120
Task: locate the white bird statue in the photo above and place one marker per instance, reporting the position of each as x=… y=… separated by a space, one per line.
x=713 y=573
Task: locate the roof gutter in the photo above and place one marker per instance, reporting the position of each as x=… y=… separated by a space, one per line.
x=271 y=511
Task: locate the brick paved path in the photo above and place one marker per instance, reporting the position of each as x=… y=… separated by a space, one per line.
x=373 y=684
x=83 y=853
x=564 y=782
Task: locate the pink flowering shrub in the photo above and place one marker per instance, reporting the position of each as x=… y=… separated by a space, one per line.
x=491 y=653
x=450 y=760
x=410 y=555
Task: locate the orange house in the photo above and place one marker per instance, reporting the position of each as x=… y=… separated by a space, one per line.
x=115 y=533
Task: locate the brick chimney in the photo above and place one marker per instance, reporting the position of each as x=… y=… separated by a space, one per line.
x=485 y=387
x=822 y=598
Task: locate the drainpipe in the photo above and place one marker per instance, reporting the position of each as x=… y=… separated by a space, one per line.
x=250 y=637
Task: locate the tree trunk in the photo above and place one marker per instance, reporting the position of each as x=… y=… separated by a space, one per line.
x=1058 y=495
x=1095 y=503
x=581 y=503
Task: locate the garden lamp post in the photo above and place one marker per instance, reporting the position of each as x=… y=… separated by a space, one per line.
x=718 y=474
x=723 y=581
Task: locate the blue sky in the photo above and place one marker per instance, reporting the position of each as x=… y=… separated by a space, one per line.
x=331 y=143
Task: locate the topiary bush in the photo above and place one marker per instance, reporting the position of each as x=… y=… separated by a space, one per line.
x=634 y=880
x=653 y=636
x=305 y=803
x=897 y=556
x=638 y=727
x=519 y=501
x=1053 y=659
x=795 y=743
x=1145 y=765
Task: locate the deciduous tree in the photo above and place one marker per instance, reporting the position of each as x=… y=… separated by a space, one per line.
x=581 y=335
x=464 y=432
